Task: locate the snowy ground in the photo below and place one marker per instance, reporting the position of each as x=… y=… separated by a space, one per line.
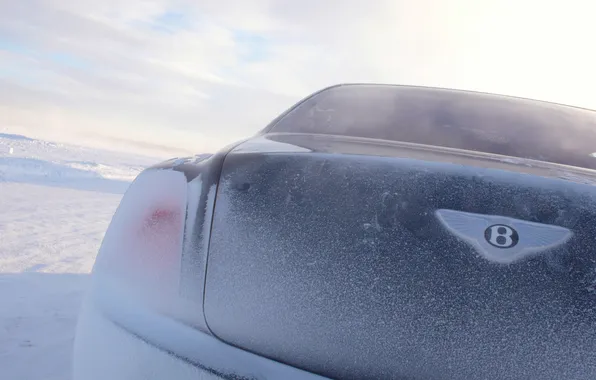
x=56 y=201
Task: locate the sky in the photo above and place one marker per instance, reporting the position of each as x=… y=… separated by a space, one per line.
x=178 y=77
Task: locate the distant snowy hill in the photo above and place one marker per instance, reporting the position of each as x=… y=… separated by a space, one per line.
x=26 y=160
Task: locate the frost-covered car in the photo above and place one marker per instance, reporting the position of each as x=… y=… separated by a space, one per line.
x=369 y=232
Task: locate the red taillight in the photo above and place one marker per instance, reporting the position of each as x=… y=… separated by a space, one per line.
x=142 y=249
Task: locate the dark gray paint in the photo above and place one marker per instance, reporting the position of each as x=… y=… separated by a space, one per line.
x=336 y=264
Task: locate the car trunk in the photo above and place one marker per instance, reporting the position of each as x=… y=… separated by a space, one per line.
x=338 y=263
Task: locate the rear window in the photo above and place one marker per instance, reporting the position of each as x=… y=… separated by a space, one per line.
x=450 y=118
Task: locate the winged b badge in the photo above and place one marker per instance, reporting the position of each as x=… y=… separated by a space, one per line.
x=501 y=239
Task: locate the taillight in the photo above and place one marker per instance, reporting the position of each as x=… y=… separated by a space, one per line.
x=142 y=249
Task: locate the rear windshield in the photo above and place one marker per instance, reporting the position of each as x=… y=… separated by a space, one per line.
x=449 y=118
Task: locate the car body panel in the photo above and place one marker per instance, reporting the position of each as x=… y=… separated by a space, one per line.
x=334 y=261
x=325 y=247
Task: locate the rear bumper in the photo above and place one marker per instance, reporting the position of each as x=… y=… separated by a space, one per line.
x=119 y=342
x=103 y=350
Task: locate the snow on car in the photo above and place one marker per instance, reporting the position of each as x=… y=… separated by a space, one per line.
x=369 y=232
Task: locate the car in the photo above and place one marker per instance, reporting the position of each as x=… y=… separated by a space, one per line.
x=371 y=231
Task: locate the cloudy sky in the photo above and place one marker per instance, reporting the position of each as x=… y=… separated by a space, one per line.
x=178 y=75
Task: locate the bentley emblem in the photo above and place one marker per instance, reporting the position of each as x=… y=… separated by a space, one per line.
x=501 y=236
x=501 y=239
